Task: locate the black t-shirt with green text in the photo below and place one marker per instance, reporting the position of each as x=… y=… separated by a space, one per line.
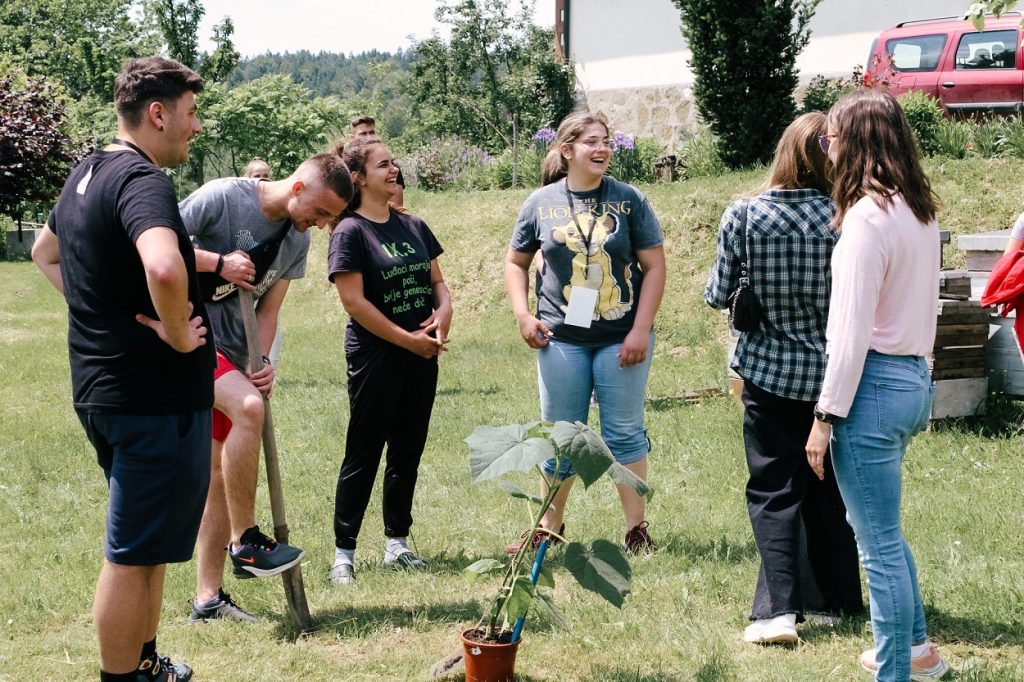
x=394 y=259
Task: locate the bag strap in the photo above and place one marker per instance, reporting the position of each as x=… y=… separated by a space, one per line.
x=744 y=275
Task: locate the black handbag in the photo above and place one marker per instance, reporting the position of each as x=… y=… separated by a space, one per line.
x=744 y=308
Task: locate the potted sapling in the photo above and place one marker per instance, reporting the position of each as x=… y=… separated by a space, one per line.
x=600 y=566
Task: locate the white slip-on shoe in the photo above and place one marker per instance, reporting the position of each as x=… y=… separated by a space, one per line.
x=778 y=630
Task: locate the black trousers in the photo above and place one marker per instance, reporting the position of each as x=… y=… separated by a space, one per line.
x=808 y=552
x=391 y=394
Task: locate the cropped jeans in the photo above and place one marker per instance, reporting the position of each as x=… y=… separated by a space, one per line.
x=892 y=403
x=570 y=374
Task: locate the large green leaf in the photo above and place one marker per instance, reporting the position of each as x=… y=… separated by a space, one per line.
x=555 y=612
x=520 y=598
x=482 y=567
x=600 y=567
x=624 y=476
x=546 y=577
x=589 y=455
x=515 y=491
x=497 y=450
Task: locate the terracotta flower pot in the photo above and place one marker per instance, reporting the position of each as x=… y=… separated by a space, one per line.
x=488 y=661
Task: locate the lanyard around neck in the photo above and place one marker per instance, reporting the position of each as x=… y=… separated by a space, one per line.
x=134 y=147
x=593 y=219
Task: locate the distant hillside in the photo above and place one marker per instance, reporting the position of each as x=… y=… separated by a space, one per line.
x=326 y=73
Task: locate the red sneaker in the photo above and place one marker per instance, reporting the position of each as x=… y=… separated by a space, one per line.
x=537 y=539
x=638 y=541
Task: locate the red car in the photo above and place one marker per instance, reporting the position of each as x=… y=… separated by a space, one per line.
x=965 y=69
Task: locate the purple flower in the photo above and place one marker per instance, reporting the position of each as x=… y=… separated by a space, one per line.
x=545 y=135
x=621 y=141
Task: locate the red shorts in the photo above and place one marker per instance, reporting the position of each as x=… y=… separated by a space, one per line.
x=221 y=423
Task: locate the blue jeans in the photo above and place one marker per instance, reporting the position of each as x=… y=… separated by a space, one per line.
x=892 y=403
x=570 y=374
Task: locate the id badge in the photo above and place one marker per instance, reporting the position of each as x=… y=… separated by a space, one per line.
x=582 y=302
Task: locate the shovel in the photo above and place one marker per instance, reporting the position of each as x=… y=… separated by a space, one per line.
x=294 y=591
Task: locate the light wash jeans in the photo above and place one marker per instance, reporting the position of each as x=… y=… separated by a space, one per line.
x=570 y=374
x=892 y=403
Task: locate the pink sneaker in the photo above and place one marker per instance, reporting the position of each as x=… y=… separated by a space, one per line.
x=923 y=668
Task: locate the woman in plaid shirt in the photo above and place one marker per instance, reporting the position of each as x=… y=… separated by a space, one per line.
x=789 y=242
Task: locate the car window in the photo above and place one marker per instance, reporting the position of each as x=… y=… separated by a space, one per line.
x=987 y=50
x=915 y=53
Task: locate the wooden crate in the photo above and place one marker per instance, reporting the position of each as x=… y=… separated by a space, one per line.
x=959 y=397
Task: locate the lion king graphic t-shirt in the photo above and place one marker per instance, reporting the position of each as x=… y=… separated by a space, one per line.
x=394 y=259
x=597 y=250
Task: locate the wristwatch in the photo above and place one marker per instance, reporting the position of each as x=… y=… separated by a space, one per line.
x=823 y=416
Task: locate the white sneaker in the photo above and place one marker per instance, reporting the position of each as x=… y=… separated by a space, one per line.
x=925 y=667
x=343 y=574
x=778 y=630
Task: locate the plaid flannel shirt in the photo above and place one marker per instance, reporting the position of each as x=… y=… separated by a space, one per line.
x=789 y=252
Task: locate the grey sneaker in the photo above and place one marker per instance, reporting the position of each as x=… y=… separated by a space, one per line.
x=403 y=560
x=221 y=606
x=343 y=574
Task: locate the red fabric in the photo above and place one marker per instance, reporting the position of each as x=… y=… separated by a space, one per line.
x=221 y=423
x=1006 y=287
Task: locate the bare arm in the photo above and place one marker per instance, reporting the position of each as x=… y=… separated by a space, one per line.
x=517 y=281
x=167 y=280
x=268 y=309
x=237 y=268
x=350 y=290
x=634 y=347
x=442 y=304
x=46 y=256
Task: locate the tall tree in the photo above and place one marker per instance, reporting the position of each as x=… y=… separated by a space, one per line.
x=179 y=23
x=224 y=58
x=744 y=63
x=497 y=70
x=82 y=43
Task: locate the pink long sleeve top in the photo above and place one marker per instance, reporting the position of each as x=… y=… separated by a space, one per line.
x=885 y=285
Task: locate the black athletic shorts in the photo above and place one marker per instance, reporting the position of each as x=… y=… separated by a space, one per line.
x=158 y=472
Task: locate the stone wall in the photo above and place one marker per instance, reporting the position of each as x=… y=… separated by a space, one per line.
x=665 y=113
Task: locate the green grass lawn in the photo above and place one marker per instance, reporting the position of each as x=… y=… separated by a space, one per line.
x=963 y=505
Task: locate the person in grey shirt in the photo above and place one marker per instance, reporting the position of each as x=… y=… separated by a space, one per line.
x=250 y=234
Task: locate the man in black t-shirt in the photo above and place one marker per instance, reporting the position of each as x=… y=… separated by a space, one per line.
x=141 y=357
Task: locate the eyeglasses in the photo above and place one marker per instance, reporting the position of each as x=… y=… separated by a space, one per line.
x=595 y=142
x=825 y=141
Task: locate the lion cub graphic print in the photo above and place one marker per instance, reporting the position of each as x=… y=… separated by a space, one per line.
x=592 y=268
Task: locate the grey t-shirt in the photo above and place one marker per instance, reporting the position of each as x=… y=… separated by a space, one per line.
x=602 y=258
x=223 y=216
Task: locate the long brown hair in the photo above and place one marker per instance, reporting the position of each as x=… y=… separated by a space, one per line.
x=355 y=153
x=555 y=167
x=799 y=162
x=876 y=156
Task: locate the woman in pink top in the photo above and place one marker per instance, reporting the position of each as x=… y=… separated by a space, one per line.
x=877 y=391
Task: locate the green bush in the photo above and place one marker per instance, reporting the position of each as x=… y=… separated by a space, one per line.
x=924 y=114
x=1013 y=136
x=700 y=157
x=821 y=93
x=743 y=57
x=989 y=139
x=952 y=139
x=527 y=172
x=633 y=158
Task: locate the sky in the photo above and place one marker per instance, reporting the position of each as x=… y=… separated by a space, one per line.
x=345 y=26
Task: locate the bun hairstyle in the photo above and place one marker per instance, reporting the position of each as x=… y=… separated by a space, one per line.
x=555 y=167
x=876 y=156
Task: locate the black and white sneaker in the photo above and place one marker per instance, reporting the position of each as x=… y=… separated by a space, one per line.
x=161 y=669
x=221 y=606
x=403 y=560
x=261 y=556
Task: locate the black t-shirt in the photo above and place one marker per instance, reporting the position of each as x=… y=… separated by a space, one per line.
x=117 y=364
x=394 y=259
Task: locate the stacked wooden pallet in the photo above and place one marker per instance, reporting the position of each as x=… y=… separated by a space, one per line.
x=958 y=360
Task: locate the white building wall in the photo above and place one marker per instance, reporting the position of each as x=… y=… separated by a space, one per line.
x=631 y=64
